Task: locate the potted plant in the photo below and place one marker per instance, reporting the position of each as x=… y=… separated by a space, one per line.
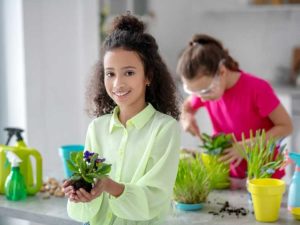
x=192 y=184
x=264 y=156
x=213 y=147
x=86 y=167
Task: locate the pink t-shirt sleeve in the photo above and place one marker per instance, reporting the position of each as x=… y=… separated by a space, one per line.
x=266 y=99
x=196 y=102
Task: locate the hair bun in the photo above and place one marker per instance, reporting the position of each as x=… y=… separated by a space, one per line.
x=204 y=39
x=128 y=23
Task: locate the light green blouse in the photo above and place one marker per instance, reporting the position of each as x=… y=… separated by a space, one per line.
x=144 y=157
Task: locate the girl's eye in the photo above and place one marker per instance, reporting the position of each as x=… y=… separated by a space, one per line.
x=129 y=73
x=109 y=74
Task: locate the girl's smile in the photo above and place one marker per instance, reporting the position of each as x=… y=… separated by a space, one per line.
x=125 y=80
x=121 y=93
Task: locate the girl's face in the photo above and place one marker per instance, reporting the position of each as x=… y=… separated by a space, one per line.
x=206 y=87
x=124 y=78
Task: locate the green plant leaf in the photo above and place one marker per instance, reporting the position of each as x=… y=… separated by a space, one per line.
x=79 y=158
x=75 y=177
x=88 y=179
x=72 y=166
x=73 y=156
x=92 y=162
x=104 y=169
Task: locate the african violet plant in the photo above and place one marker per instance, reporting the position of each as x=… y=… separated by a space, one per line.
x=86 y=167
x=216 y=144
x=264 y=155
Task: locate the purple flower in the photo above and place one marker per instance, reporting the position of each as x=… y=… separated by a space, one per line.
x=87 y=155
x=100 y=160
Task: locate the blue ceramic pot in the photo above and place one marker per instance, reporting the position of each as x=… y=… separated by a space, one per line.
x=188 y=207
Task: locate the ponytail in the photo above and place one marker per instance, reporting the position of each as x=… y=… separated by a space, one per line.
x=203 y=54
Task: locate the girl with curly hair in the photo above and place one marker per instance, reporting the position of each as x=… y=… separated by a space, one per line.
x=136 y=130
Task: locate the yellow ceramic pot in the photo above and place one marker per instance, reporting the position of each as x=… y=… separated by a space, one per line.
x=266 y=196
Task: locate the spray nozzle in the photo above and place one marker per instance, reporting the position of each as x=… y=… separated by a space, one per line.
x=13 y=159
x=13 y=131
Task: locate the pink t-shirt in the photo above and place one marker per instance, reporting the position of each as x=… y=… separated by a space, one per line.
x=242 y=108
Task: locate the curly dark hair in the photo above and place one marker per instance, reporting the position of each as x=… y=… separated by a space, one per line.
x=203 y=54
x=128 y=33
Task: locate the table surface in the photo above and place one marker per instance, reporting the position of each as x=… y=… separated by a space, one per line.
x=53 y=211
x=236 y=199
x=36 y=209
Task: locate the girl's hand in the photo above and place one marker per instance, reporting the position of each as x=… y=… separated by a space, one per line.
x=231 y=155
x=84 y=196
x=68 y=189
x=189 y=123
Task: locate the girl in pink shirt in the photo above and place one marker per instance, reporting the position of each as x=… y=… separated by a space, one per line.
x=236 y=101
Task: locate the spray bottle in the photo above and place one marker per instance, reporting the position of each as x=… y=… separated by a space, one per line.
x=294 y=189
x=31 y=166
x=15 y=188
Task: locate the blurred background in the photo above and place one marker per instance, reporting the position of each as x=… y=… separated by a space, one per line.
x=48 y=49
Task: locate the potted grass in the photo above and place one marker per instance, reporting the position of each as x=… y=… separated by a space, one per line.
x=212 y=148
x=87 y=167
x=264 y=156
x=192 y=184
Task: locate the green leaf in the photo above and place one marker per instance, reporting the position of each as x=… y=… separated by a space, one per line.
x=73 y=156
x=88 y=179
x=79 y=158
x=75 y=177
x=82 y=167
x=71 y=166
x=92 y=162
x=104 y=169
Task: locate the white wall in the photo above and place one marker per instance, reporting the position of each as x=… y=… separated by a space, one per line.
x=50 y=49
x=261 y=38
x=12 y=88
x=3 y=114
x=61 y=46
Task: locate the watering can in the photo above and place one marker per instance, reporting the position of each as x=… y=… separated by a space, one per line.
x=33 y=177
x=294 y=189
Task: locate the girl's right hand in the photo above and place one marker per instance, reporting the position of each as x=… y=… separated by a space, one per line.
x=189 y=123
x=68 y=190
x=188 y=120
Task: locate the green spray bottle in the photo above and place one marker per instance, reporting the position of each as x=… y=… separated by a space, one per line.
x=15 y=188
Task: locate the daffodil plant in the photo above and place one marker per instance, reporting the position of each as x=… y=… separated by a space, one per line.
x=87 y=167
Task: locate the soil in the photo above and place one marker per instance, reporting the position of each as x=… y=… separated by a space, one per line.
x=82 y=184
x=230 y=210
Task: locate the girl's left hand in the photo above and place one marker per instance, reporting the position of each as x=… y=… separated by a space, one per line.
x=84 y=196
x=231 y=155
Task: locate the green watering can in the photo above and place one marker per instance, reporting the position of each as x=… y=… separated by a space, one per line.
x=33 y=179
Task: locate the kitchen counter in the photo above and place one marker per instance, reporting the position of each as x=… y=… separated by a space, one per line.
x=236 y=199
x=53 y=211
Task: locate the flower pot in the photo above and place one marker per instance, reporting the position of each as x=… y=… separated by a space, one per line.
x=188 y=207
x=220 y=180
x=266 y=194
x=296 y=213
x=64 y=152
